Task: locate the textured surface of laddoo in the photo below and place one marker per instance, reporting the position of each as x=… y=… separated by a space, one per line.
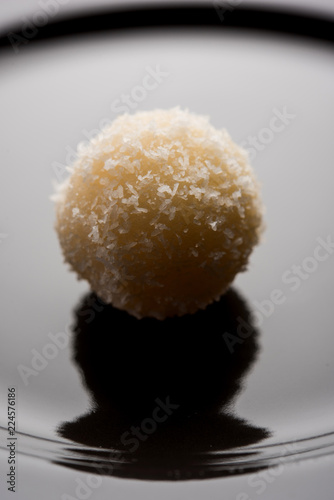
x=159 y=213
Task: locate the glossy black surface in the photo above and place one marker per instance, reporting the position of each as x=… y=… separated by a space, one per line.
x=85 y=373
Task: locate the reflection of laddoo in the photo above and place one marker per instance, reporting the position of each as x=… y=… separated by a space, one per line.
x=162 y=393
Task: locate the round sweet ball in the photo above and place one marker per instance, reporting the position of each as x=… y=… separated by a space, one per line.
x=160 y=212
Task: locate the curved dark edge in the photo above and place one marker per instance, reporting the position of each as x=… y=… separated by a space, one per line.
x=217 y=469
x=178 y=15
x=251 y=450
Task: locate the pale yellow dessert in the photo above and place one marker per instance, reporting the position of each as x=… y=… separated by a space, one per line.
x=160 y=212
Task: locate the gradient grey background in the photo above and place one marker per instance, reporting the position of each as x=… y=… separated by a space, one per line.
x=309 y=480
